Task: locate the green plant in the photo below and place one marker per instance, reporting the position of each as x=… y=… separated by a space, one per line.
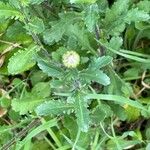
x=73 y=72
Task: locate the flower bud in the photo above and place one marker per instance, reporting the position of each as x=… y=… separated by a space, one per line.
x=71 y=59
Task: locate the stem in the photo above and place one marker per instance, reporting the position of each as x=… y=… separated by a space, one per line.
x=95 y=141
x=76 y=140
x=34 y=36
x=21 y=134
x=52 y=134
x=110 y=137
x=97 y=33
x=49 y=142
x=114 y=136
x=137 y=39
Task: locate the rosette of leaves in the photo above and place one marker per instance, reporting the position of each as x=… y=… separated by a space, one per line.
x=73 y=81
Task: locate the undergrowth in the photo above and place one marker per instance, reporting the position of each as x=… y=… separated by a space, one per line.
x=74 y=74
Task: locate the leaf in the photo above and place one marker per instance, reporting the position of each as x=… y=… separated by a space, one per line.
x=82 y=112
x=148 y=146
x=17 y=33
x=116 y=42
x=8 y=11
x=117 y=85
x=71 y=125
x=31 y=100
x=36 y=131
x=123 y=143
x=36 y=1
x=118 y=15
x=41 y=89
x=49 y=68
x=59 y=28
x=83 y=1
x=128 y=54
x=114 y=17
x=22 y=60
x=53 y=108
x=91 y=16
x=35 y=25
x=97 y=63
x=119 y=111
x=95 y=75
x=148 y=133
x=26 y=104
x=37 y=76
x=135 y=15
x=144 y=5
x=132 y=113
x=81 y=36
x=101 y=112
x=116 y=98
x=57 y=55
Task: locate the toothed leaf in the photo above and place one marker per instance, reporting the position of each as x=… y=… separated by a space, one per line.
x=82 y=112
x=22 y=60
x=53 y=108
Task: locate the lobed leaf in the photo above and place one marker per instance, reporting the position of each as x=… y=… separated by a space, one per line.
x=22 y=60
x=7 y=11
x=82 y=112
x=53 y=108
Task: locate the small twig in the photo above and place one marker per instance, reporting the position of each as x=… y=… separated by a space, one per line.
x=147 y=86
x=101 y=48
x=10 y=43
x=21 y=134
x=50 y=9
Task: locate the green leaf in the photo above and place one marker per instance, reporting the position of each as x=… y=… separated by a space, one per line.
x=59 y=27
x=118 y=15
x=101 y=112
x=148 y=146
x=128 y=54
x=114 y=18
x=82 y=112
x=70 y=123
x=31 y=100
x=115 y=42
x=35 y=25
x=57 y=55
x=95 y=75
x=97 y=63
x=92 y=73
x=135 y=15
x=117 y=85
x=132 y=113
x=41 y=89
x=22 y=60
x=119 y=111
x=83 y=1
x=33 y=133
x=91 y=17
x=36 y=1
x=17 y=33
x=116 y=98
x=8 y=11
x=148 y=133
x=123 y=143
x=26 y=104
x=81 y=36
x=144 y=5
x=49 y=68
x=53 y=108
x=37 y=76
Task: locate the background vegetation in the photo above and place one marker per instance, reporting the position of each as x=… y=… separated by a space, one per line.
x=101 y=101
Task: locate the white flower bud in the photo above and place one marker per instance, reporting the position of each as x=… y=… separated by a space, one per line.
x=71 y=59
